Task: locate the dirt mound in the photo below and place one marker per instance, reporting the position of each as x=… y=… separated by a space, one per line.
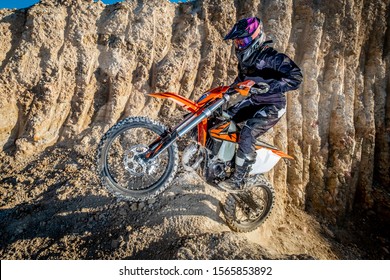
x=53 y=207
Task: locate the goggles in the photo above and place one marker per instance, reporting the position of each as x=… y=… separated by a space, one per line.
x=243 y=43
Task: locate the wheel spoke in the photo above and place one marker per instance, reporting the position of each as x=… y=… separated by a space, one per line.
x=120 y=164
x=246 y=211
x=123 y=165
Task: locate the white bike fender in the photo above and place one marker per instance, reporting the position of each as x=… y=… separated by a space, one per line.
x=265 y=161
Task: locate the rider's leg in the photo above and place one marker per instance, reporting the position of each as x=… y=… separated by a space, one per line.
x=262 y=121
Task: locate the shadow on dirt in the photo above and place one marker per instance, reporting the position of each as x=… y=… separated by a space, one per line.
x=52 y=211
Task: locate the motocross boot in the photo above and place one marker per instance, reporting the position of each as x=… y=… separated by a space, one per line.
x=236 y=182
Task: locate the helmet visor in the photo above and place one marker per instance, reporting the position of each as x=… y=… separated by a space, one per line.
x=243 y=43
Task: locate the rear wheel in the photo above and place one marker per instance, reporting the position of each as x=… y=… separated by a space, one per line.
x=245 y=211
x=120 y=168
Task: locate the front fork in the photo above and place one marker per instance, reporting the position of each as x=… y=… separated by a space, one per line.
x=167 y=139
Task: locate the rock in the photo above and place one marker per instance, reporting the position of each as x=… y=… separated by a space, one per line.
x=134 y=207
x=115 y=244
x=283 y=228
x=141 y=205
x=122 y=212
x=328 y=232
x=152 y=201
x=72 y=167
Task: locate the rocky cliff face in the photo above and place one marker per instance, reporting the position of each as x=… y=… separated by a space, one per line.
x=71 y=68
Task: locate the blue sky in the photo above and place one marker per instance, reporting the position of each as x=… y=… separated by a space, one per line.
x=10 y=4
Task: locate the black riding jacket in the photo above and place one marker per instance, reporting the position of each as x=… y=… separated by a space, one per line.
x=276 y=69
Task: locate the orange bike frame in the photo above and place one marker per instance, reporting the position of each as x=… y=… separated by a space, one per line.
x=198 y=108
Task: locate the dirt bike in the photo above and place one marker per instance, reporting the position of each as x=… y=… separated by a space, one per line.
x=138 y=157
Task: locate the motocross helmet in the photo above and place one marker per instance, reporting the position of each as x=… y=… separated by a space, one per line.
x=248 y=36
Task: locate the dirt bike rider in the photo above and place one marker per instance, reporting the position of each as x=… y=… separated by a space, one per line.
x=274 y=74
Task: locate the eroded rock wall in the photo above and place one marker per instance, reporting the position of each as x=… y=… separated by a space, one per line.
x=70 y=66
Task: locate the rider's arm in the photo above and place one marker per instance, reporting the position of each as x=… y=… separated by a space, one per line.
x=279 y=72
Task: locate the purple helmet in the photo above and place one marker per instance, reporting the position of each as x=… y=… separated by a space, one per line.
x=245 y=32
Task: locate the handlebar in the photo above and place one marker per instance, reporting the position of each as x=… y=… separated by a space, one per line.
x=231 y=91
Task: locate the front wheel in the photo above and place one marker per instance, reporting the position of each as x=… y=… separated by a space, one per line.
x=120 y=168
x=247 y=210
